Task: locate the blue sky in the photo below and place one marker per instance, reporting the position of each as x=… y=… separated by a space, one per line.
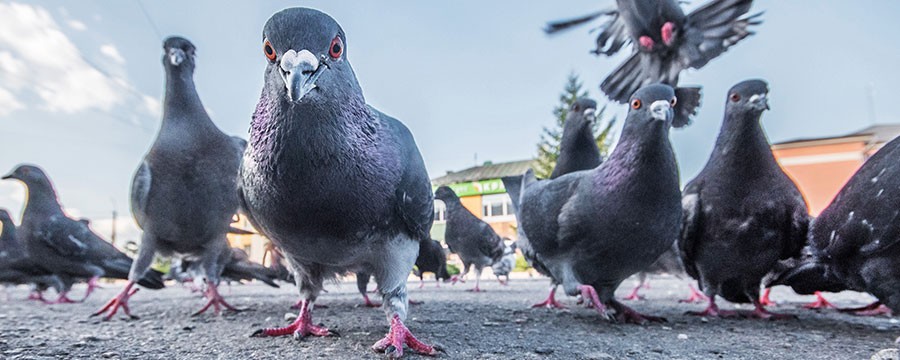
x=80 y=82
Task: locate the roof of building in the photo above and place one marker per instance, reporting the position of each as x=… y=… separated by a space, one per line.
x=483 y=172
x=880 y=133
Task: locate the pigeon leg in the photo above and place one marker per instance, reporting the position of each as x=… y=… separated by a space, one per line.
x=712 y=309
x=642 y=283
x=477 y=288
x=215 y=300
x=764 y=299
x=392 y=343
x=38 y=295
x=551 y=300
x=369 y=303
x=588 y=292
x=300 y=328
x=64 y=299
x=760 y=312
x=820 y=303
x=695 y=297
x=626 y=314
x=873 y=309
x=667 y=32
x=92 y=285
x=646 y=42
x=120 y=301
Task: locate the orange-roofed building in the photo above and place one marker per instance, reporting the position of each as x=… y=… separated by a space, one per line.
x=821 y=166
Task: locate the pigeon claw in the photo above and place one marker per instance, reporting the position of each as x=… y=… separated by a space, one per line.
x=695 y=297
x=590 y=295
x=551 y=302
x=119 y=301
x=216 y=301
x=300 y=328
x=392 y=343
x=873 y=309
x=64 y=299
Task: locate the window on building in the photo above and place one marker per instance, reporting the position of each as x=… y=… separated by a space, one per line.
x=496 y=205
x=440 y=211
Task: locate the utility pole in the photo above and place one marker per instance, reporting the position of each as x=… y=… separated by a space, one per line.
x=115 y=215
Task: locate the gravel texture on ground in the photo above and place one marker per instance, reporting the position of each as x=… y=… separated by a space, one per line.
x=497 y=324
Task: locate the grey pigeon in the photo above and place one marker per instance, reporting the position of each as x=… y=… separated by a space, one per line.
x=184 y=193
x=64 y=246
x=16 y=268
x=742 y=214
x=578 y=151
x=665 y=40
x=338 y=186
x=238 y=268
x=852 y=244
x=592 y=229
x=473 y=240
x=431 y=259
x=506 y=264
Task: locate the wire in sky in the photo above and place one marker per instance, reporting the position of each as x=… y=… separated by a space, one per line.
x=149 y=19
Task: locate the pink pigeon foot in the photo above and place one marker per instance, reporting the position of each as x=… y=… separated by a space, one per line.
x=119 y=301
x=369 y=303
x=215 y=301
x=712 y=310
x=646 y=42
x=873 y=309
x=764 y=299
x=399 y=335
x=820 y=303
x=667 y=32
x=92 y=285
x=551 y=302
x=695 y=297
x=300 y=328
x=760 y=312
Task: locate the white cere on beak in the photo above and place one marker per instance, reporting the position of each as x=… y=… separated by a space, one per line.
x=660 y=109
x=296 y=71
x=176 y=56
x=757 y=98
x=590 y=113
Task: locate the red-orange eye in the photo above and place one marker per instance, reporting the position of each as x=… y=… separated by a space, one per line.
x=636 y=104
x=269 y=50
x=735 y=97
x=337 y=47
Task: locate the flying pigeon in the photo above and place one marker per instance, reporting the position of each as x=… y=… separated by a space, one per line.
x=66 y=247
x=506 y=264
x=184 y=193
x=476 y=243
x=591 y=229
x=852 y=243
x=742 y=214
x=665 y=40
x=337 y=185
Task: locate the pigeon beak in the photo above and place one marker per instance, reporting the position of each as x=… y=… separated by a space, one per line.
x=176 y=56
x=590 y=114
x=300 y=70
x=8 y=176
x=661 y=110
x=759 y=101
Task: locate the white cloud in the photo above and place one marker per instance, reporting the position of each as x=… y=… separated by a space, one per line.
x=153 y=105
x=76 y=25
x=57 y=71
x=112 y=52
x=8 y=102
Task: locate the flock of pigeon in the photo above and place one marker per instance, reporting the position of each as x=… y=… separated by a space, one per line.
x=340 y=187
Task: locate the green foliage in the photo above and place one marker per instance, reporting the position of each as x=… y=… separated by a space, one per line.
x=548 y=146
x=452 y=269
x=162 y=264
x=521 y=263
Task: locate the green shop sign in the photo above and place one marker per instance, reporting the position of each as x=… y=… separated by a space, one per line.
x=483 y=187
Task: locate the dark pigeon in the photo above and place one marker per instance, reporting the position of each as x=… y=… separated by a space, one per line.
x=433 y=259
x=592 y=229
x=506 y=264
x=742 y=214
x=852 y=244
x=338 y=186
x=665 y=40
x=473 y=240
x=184 y=193
x=238 y=269
x=16 y=268
x=67 y=247
x=578 y=151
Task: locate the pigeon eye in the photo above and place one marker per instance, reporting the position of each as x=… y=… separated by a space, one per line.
x=636 y=104
x=735 y=97
x=269 y=50
x=337 y=47
x=673 y=101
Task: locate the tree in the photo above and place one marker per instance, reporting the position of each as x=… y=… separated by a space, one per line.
x=548 y=146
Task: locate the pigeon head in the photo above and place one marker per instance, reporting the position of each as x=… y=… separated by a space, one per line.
x=306 y=53
x=178 y=54
x=748 y=97
x=583 y=110
x=662 y=104
x=30 y=175
x=445 y=194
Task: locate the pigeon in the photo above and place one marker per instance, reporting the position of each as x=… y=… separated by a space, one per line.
x=665 y=40
x=239 y=268
x=578 y=148
x=16 y=268
x=578 y=151
x=592 y=229
x=66 y=247
x=433 y=259
x=337 y=185
x=506 y=263
x=852 y=243
x=742 y=214
x=668 y=263
x=184 y=193
x=476 y=243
